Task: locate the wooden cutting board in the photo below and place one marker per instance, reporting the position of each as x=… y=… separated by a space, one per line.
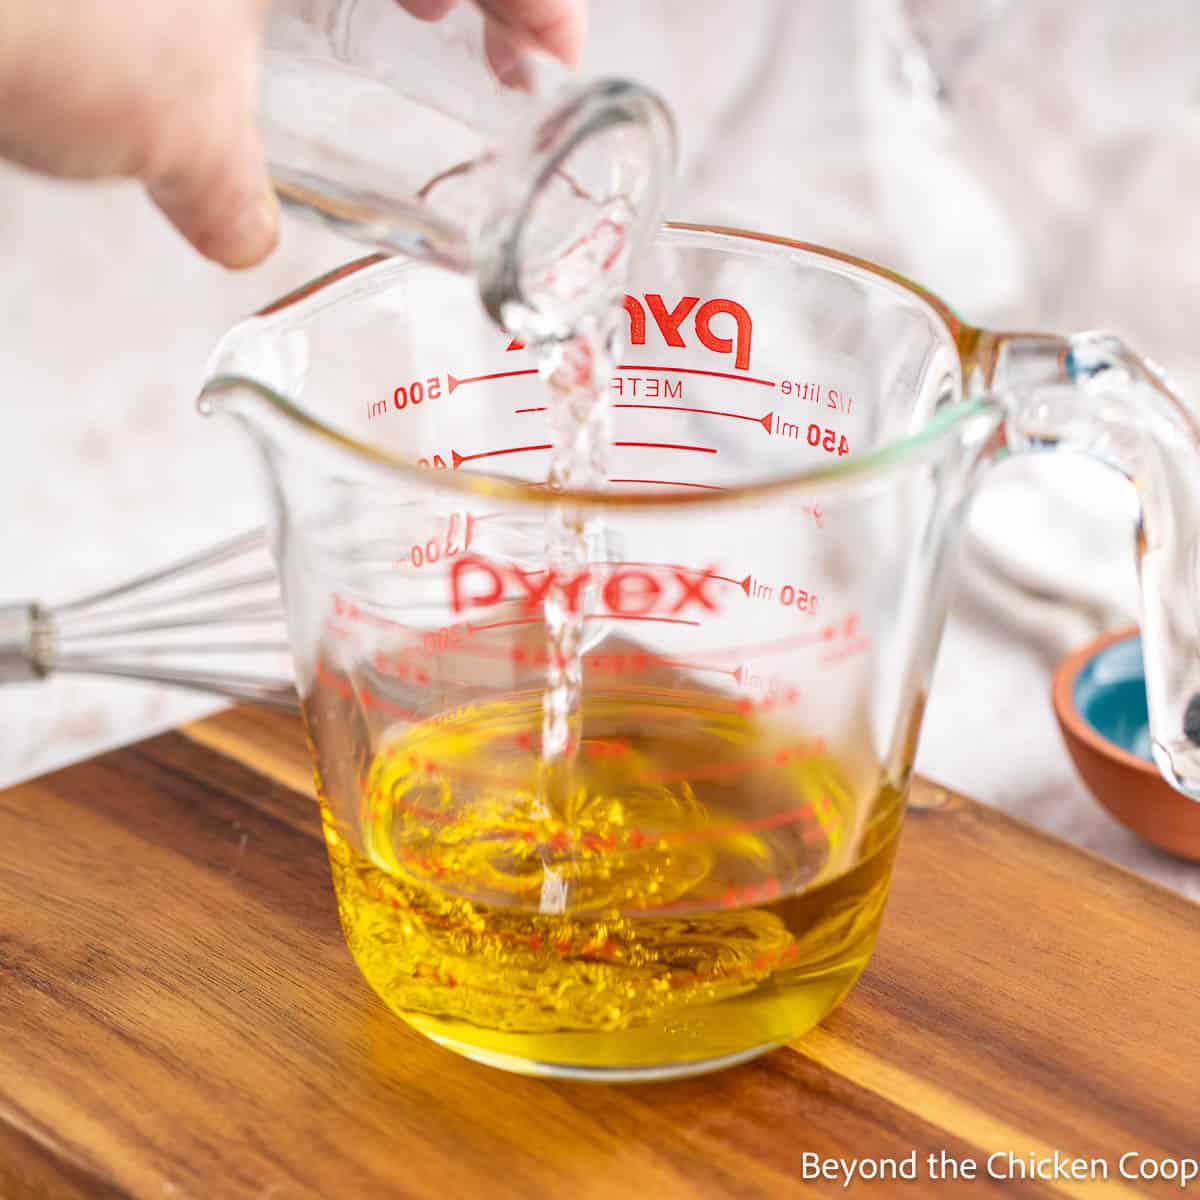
x=180 y=1019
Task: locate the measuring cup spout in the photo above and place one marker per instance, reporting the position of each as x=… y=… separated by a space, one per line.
x=1091 y=395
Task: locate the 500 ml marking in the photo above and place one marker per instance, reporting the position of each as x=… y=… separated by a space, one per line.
x=413 y=393
x=416 y=391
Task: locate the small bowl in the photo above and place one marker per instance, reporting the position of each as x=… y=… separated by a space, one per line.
x=1100 y=701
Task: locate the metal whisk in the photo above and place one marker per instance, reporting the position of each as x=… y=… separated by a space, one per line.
x=186 y=625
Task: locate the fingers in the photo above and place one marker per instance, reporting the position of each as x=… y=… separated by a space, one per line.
x=556 y=26
x=223 y=205
x=211 y=179
x=233 y=221
x=212 y=182
x=428 y=10
x=508 y=56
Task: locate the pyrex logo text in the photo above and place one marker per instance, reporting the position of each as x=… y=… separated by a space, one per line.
x=627 y=591
x=722 y=326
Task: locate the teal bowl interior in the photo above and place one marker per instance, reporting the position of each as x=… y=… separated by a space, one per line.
x=1099 y=697
x=1110 y=695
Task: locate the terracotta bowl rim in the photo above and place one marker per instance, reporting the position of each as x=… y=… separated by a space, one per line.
x=1065 y=675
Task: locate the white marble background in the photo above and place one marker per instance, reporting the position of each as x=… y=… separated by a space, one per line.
x=1056 y=191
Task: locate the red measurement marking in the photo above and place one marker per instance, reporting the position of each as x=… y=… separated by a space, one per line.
x=602 y=749
x=454 y=384
x=337 y=631
x=696 y=371
x=399 y=668
x=619 y=664
x=638 y=839
x=675 y=483
x=772 y=821
x=426 y=814
x=764 y=421
x=372 y=699
x=811 y=391
x=734 y=896
x=817 y=436
x=689 y=666
x=339 y=683
x=459 y=459
x=754 y=649
x=855 y=648
x=472 y=628
x=352 y=612
x=710 y=574
x=453 y=771
x=734 y=769
x=612 y=616
x=668 y=446
x=748 y=704
x=604 y=616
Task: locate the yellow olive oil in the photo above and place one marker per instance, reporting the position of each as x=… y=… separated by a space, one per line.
x=693 y=886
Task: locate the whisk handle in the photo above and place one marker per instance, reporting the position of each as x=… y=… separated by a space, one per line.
x=18 y=647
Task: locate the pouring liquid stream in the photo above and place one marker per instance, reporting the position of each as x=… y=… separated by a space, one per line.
x=575 y=362
x=577 y=373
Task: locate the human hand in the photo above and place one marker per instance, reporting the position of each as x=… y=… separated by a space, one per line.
x=164 y=92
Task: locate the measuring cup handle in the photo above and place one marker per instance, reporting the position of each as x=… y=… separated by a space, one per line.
x=1092 y=395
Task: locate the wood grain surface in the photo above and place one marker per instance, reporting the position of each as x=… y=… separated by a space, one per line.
x=180 y=1018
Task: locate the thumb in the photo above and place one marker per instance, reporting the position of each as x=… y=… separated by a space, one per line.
x=213 y=186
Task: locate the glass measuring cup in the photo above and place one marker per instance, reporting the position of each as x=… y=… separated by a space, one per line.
x=796 y=438
x=453 y=142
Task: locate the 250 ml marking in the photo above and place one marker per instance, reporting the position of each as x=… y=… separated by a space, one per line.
x=788 y=595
